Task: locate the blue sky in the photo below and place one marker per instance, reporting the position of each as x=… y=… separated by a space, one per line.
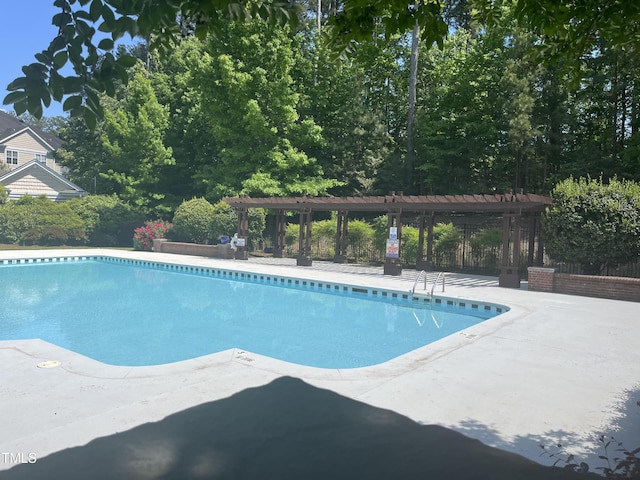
x=26 y=30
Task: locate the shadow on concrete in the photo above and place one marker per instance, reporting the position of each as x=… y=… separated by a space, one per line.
x=625 y=428
x=551 y=446
x=286 y=430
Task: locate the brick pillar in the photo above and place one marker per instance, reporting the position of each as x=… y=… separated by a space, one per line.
x=541 y=279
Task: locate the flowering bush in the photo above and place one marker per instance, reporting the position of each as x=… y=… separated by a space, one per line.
x=143 y=236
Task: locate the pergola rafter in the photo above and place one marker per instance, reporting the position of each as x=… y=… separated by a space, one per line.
x=511 y=206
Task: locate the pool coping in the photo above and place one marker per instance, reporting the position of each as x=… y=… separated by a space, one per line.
x=475 y=375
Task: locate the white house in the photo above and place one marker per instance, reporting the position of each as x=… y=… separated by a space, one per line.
x=28 y=165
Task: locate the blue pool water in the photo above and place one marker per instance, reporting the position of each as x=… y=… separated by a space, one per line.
x=126 y=314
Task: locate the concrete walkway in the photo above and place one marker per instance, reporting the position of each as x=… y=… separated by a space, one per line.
x=554 y=369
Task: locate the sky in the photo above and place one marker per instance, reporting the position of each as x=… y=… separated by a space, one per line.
x=26 y=30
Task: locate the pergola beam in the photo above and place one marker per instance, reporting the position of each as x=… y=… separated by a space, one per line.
x=505 y=203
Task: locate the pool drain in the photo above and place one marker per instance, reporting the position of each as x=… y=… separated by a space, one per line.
x=49 y=364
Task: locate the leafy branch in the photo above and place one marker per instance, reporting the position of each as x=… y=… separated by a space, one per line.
x=87 y=34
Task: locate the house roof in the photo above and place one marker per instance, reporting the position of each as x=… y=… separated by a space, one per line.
x=11 y=126
x=34 y=164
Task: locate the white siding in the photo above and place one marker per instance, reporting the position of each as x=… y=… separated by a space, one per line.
x=36 y=183
x=27 y=145
x=26 y=141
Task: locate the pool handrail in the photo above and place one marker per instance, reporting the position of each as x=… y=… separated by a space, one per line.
x=423 y=273
x=441 y=274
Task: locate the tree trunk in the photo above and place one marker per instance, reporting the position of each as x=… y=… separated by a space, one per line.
x=413 y=80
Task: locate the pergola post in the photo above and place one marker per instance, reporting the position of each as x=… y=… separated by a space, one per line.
x=243 y=234
x=509 y=275
x=304 y=239
x=537 y=258
x=532 y=240
x=281 y=229
x=421 y=262
x=392 y=264
x=342 y=232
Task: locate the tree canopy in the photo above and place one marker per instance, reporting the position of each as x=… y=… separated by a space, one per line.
x=261 y=107
x=89 y=29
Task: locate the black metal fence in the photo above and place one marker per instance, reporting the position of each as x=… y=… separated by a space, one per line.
x=631 y=269
x=478 y=251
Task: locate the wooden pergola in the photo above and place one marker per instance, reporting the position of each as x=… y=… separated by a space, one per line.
x=513 y=207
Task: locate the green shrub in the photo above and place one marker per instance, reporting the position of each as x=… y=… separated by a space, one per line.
x=257 y=224
x=446 y=240
x=593 y=224
x=103 y=239
x=291 y=234
x=360 y=232
x=31 y=214
x=53 y=236
x=77 y=236
x=58 y=215
x=192 y=221
x=31 y=237
x=485 y=246
x=360 y=236
x=380 y=233
x=224 y=221
x=323 y=237
x=4 y=195
x=15 y=220
x=409 y=250
x=106 y=219
x=487 y=238
x=324 y=229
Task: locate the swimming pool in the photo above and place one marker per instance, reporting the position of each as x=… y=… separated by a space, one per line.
x=127 y=312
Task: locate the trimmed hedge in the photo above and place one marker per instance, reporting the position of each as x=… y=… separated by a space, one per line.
x=192 y=221
x=99 y=220
x=40 y=221
x=108 y=221
x=594 y=224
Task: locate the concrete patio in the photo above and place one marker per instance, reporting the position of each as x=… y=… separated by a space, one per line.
x=554 y=369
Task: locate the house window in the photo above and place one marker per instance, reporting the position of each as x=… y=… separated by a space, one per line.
x=12 y=157
x=41 y=157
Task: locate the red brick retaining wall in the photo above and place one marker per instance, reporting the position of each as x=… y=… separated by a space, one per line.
x=616 y=288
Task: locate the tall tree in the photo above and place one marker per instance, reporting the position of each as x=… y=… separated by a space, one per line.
x=411 y=116
x=460 y=121
x=345 y=103
x=134 y=140
x=246 y=91
x=126 y=155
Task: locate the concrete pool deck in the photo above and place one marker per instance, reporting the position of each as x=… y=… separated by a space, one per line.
x=554 y=369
